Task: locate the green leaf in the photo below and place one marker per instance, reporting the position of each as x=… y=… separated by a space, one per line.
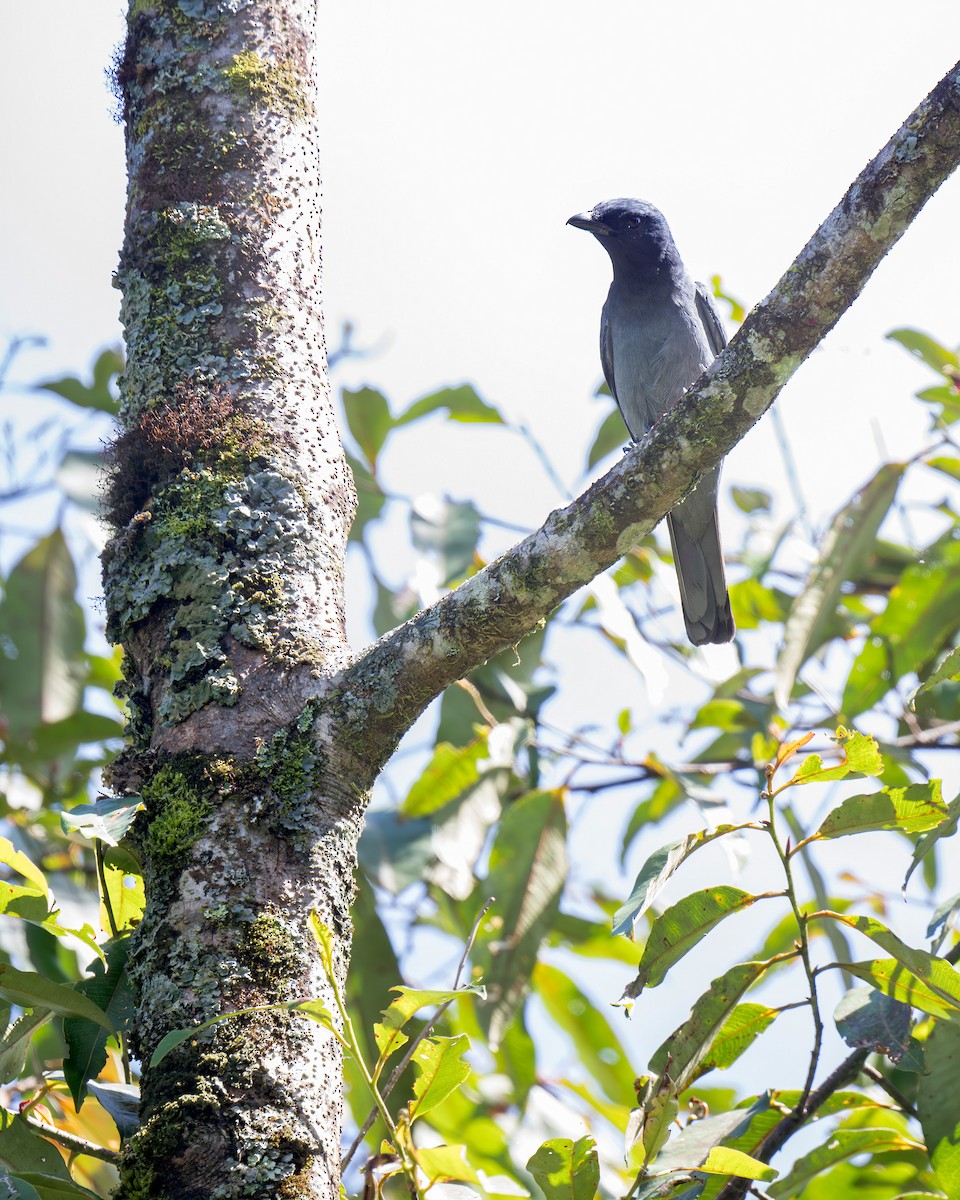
x=370 y=499
x=598 y=1049
x=30 y=990
x=888 y=975
x=938 y=1101
x=124 y=890
x=837 y=1147
x=751 y=500
x=861 y=756
x=947 y=828
x=723 y=1160
x=27 y=1153
x=444 y=535
x=866 y=1017
x=948 y=670
x=42 y=663
x=451 y=771
x=47 y=1187
x=690 y=1048
x=922 y=346
x=109 y=988
x=369 y=421
x=106 y=820
x=843 y=553
x=911 y=809
x=409 y=1002
x=935 y=974
x=922 y=614
x=528 y=868
x=566 y=1170
x=612 y=435
x=682 y=927
x=657 y=870
x=16 y=1042
x=460 y=404
x=19 y=862
x=441 y=1071
x=737 y=1034
x=97 y=394
x=650 y=1125
x=445 y=1162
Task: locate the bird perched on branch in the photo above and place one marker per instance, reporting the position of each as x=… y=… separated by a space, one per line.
x=658 y=332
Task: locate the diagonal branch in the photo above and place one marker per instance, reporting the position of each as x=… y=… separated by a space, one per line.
x=390 y=683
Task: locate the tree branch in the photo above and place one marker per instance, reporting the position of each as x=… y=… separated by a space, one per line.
x=392 y=681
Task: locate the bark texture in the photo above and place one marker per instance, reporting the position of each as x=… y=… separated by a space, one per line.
x=254 y=736
x=224 y=582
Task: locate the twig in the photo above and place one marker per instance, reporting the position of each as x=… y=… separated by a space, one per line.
x=70 y=1141
x=781 y=1133
x=890 y=1088
x=424 y=1033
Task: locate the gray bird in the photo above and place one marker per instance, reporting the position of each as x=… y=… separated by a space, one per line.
x=658 y=332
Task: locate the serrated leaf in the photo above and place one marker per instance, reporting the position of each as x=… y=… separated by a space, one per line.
x=441 y=1071
x=866 y=1017
x=106 y=820
x=938 y=1101
x=912 y=809
x=689 y=1048
x=843 y=552
x=528 y=868
x=566 y=1170
x=682 y=927
x=657 y=870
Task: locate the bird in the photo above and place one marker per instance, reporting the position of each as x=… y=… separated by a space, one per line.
x=659 y=331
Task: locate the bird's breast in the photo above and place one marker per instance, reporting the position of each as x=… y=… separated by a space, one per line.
x=659 y=349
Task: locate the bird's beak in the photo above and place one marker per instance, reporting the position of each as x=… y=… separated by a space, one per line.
x=586 y=220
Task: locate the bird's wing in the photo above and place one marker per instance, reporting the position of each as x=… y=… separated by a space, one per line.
x=606 y=352
x=710 y=318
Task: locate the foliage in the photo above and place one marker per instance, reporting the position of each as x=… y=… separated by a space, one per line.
x=512 y=1074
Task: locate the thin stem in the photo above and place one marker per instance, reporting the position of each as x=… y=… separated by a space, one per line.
x=425 y=1032
x=70 y=1141
x=104 y=894
x=890 y=1088
x=804 y=944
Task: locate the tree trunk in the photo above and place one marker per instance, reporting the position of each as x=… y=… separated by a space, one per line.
x=224 y=581
x=254 y=736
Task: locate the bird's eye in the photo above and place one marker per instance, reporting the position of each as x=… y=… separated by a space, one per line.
x=632 y=222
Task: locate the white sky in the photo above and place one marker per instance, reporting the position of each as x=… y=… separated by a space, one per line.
x=458 y=138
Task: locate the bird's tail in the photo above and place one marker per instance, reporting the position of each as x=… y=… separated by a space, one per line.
x=695 y=538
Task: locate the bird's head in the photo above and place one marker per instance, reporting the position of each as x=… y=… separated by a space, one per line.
x=629 y=230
